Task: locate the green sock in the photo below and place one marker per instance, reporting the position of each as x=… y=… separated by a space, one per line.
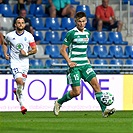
x=98 y=97
x=65 y=98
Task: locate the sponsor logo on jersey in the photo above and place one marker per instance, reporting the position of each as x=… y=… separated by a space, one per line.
x=81 y=40
x=19 y=46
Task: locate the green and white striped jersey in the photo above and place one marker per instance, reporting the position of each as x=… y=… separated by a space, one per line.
x=77 y=42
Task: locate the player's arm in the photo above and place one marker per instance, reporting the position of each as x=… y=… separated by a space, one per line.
x=5 y=49
x=33 y=48
x=32 y=51
x=63 y=52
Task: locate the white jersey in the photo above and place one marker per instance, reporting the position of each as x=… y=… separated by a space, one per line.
x=16 y=43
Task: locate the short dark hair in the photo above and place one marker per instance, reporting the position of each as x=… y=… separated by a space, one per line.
x=80 y=14
x=19 y=17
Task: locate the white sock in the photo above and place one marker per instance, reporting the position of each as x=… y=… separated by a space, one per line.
x=19 y=93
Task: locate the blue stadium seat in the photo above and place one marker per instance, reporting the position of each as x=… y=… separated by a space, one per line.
x=129 y=62
x=6 y=10
x=2 y=53
x=66 y=66
x=31 y=10
x=38 y=24
x=90 y=54
x=101 y=51
x=63 y=35
x=53 y=51
x=49 y=64
x=44 y=1
x=4 y=63
x=100 y=68
x=40 y=34
x=126 y=2
x=129 y=51
x=86 y=9
x=1 y=50
x=117 y=51
x=53 y=37
x=15 y=10
x=36 y=63
x=100 y=37
x=64 y=61
x=53 y=24
x=89 y=26
x=118 y=63
x=116 y=38
x=39 y=11
x=67 y=23
x=91 y=41
x=100 y=62
x=73 y=2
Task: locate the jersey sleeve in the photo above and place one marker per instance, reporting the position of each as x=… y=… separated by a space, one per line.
x=31 y=38
x=68 y=39
x=31 y=41
x=6 y=39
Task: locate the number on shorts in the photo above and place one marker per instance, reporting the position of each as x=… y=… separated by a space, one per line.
x=76 y=77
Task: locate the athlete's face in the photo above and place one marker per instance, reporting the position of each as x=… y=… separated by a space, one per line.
x=20 y=24
x=81 y=23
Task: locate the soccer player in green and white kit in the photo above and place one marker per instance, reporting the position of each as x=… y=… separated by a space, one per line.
x=79 y=65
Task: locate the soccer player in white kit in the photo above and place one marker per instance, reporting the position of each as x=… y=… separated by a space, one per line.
x=20 y=41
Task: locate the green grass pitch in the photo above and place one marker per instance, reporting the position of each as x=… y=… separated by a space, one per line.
x=66 y=122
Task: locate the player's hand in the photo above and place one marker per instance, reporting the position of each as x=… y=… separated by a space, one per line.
x=72 y=64
x=7 y=57
x=22 y=52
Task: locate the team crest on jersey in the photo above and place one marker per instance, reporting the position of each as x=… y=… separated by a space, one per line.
x=19 y=46
x=25 y=38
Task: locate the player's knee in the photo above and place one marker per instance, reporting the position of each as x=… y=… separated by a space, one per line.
x=19 y=89
x=19 y=81
x=76 y=93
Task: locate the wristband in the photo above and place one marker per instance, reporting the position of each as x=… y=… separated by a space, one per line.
x=26 y=54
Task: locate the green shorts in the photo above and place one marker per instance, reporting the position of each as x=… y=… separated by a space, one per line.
x=75 y=74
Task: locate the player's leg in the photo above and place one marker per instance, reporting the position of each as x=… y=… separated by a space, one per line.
x=94 y=83
x=91 y=78
x=20 y=78
x=68 y=96
x=98 y=93
x=73 y=79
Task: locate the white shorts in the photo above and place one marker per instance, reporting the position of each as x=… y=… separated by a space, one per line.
x=19 y=72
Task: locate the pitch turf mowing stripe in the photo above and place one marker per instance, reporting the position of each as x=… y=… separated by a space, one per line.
x=128 y=92
x=66 y=122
